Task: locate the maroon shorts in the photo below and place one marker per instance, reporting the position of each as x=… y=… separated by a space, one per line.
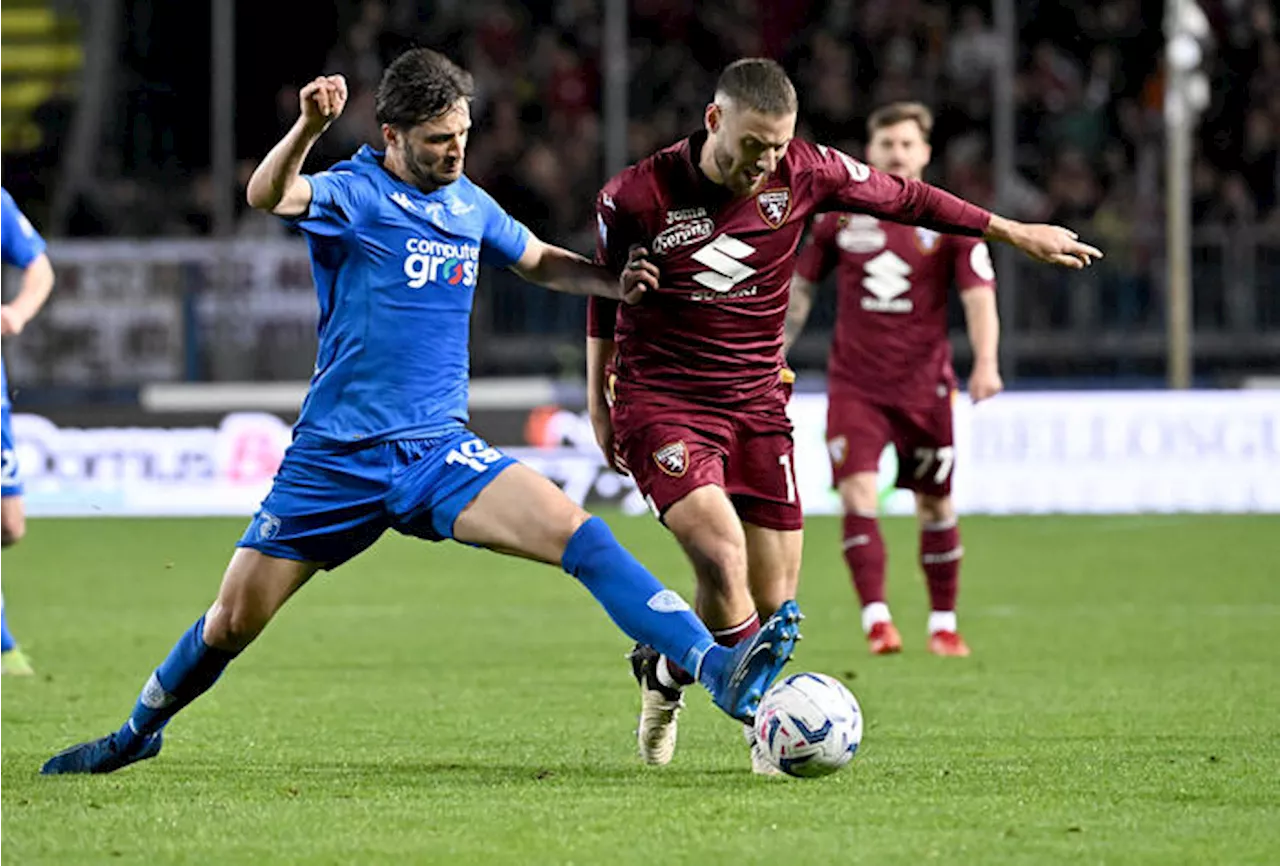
x=858 y=430
x=672 y=447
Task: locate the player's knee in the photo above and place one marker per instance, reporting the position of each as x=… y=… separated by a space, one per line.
x=860 y=494
x=935 y=509
x=569 y=524
x=232 y=627
x=12 y=528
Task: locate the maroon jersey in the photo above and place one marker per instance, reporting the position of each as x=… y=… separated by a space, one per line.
x=713 y=330
x=890 y=343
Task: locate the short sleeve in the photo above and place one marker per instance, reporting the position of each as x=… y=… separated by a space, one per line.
x=505 y=238
x=819 y=254
x=972 y=264
x=22 y=243
x=337 y=199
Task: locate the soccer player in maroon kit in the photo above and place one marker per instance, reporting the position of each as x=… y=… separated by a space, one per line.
x=890 y=378
x=687 y=390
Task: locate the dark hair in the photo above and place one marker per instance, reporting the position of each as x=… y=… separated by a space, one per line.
x=760 y=84
x=900 y=112
x=419 y=85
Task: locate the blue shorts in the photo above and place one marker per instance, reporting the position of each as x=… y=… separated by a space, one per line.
x=10 y=482
x=329 y=502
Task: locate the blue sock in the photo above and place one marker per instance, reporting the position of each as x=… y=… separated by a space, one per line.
x=190 y=669
x=6 y=637
x=635 y=599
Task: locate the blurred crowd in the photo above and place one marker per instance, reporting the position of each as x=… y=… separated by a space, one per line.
x=1088 y=89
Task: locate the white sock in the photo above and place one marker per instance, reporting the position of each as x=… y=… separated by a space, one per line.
x=665 y=677
x=873 y=613
x=942 y=620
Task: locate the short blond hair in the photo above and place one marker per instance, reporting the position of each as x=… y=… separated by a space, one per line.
x=900 y=112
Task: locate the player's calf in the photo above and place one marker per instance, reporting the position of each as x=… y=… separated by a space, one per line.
x=253 y=590
x=940 y=556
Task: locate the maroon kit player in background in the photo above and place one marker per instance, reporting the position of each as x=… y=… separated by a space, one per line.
x=890 y=378
x=687 y=390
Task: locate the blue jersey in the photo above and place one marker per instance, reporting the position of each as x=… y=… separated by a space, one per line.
x=22 y=245
x=395 y=270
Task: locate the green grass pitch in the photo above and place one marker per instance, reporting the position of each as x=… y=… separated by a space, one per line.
x=434 y=704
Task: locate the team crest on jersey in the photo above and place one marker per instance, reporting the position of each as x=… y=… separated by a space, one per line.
x=774 y=206
x=673 y=458
x=927 y=240
x=268 y=526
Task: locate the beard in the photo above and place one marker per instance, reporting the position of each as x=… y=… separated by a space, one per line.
x=425 y=176
x=734 y=179
x=724 y=163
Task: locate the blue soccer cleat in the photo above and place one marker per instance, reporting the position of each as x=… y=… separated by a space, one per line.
x=756 y=663
x=104 y=755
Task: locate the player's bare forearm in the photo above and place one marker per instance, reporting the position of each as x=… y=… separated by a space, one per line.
x=983 y=323
x=600 y=354
x=277 y=184
x=37 y=283
x=565 y=271
x=798 y=307
x=1045 y=243
x=984 y=336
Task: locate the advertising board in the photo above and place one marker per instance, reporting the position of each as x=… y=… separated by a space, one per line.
x=1022 y=453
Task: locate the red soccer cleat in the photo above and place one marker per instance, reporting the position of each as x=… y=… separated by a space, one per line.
x=883 y=639
x=948 y=643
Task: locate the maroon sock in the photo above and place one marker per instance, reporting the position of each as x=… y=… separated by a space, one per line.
x=864 y=552
x=736 y=634
x=731 y=636
x=940 y=554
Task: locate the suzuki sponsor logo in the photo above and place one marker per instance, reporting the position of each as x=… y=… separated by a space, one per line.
x=724 y=257
x=886 y=278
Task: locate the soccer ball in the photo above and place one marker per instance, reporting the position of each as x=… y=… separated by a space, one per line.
x=809 y=724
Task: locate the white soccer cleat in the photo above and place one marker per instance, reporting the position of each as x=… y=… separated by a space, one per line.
x=660 y=708
x=761 y=763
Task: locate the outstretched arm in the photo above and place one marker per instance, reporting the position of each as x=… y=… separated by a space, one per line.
x=277 y=184
x=563 y=270
x=850 y=185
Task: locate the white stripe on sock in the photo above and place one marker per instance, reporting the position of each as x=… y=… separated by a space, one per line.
x=740 y=627
x=946 y=556
x=857 y=541
x=665 y=677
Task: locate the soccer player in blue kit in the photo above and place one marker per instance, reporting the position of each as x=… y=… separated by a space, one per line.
x=396 y=239
x=24 y=248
